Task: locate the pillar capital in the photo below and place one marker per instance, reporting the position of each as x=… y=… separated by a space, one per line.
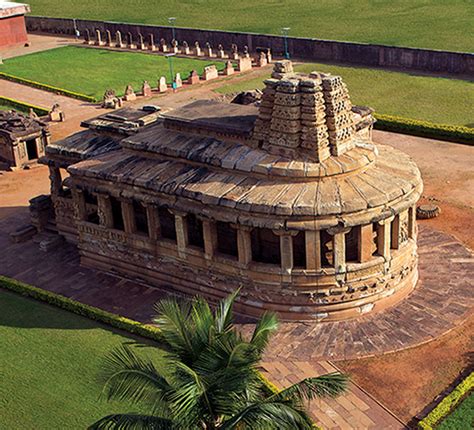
x=386 y=220
x=338 y=230
x=286 y=232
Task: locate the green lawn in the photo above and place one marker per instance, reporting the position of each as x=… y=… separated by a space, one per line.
x=462 y=418
x=439 y=100
x=49 y=360
x=91 y=71
x=432 y=24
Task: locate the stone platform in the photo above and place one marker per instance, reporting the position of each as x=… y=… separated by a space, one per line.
x=443 y=299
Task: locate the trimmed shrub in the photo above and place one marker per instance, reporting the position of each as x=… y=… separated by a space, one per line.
x=424 y=129
x=23 y=105
x=46 y=87
x=448 y=404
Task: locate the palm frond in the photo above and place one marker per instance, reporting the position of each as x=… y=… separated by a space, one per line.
x=330 y=385
x=129 y=377
x=265 y=327
x=224 y=315
x=132 y=421
x=276 y=415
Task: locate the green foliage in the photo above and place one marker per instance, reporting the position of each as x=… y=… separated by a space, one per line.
x=78 y=308
x=208 y=378
x=447 y=405
x=433 y=24
x=91 y=71
x=425 y=129
x=22 y=106
x=462 y=418
x=46 y=87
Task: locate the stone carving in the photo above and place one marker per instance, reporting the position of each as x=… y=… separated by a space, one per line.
x=118 y=40
x=193 y=78
x=210 y=72
x=234 y=52
x=110 y=100
x=185 y=49
x=220 y=52
x=209 y=52
x=141 y=42
x=129 y=94
x=174 y=46
x=178 y=82
x=108 y=37
x=162 y=86
x=151 y=43
x=130 y=43
x=56 y=114
x=98 y=38
x=246 y=51
x=229 y=68
x=163 y=45
x=244 y=64
x=197 y=50
x=262 y=60
x=87 y=37
x=146 y=89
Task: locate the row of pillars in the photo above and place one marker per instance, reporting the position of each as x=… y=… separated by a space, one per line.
x=387 y=235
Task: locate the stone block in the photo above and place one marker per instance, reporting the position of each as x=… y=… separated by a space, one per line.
x=244 y=64
x=210 y=72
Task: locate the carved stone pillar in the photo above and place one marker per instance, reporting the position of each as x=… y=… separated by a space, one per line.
x=181 y=232
x=339 y=247
x=244 y=244
x=313 y=249
x=55 y=179
x=395 y=233
x=153 y=221
x=128 y=214
x=210 y=238
x=383 y=238
x=104 y=210
x=365 y=243
x=412 y=222
x=286 y=249
x=79 y=201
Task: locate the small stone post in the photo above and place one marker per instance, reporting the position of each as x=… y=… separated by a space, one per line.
x=151 y=43
x=162 y=86
x=118 y=39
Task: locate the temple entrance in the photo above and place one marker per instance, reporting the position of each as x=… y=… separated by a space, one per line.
x=31 y=149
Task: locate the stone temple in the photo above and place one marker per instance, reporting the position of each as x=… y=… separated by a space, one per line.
x=290 y=201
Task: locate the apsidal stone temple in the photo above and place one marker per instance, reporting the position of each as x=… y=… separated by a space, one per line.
x=290 y=201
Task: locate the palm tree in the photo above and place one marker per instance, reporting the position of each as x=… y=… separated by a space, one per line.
x=207 y=378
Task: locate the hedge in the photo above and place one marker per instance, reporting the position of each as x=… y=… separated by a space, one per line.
x=23 y=105
x=447 y=405
x=424 y=128
x=49 y=88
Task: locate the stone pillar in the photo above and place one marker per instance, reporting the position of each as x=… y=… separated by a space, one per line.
x=286 y=249
x=365 y=243
x=181 y=232
x=339 y=247
x=383 y=238
x=79 y=201
x=128 y=215
x=412 y=222
x=210 y=238
x=104 y=210
x=55 y=180
x=153 y=220
x=395 y=232
x=244 y=244
x=313 y=249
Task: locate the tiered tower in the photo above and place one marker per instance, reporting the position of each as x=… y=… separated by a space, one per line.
x=304 y=116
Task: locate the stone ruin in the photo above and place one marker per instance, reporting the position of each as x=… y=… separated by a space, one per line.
x=290 y=201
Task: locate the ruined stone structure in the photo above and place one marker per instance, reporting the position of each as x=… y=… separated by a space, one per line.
x=291 y=202
x=22 y=138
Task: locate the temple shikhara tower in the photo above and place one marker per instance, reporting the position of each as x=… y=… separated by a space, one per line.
x=290 y=201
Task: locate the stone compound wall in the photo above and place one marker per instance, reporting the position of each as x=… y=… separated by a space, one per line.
x=304 y=48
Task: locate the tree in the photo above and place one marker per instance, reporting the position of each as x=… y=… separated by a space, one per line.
x=207 y=378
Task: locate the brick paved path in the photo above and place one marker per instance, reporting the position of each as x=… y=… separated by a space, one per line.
x=442 y=300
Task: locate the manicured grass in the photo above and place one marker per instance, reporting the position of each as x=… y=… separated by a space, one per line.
x=5 y=106
x=49 y=361
x=439 y=100
x=432 y=24
x=462 y=418
x=91 y=71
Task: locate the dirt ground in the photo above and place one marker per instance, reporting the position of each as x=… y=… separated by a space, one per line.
x=408 y=381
